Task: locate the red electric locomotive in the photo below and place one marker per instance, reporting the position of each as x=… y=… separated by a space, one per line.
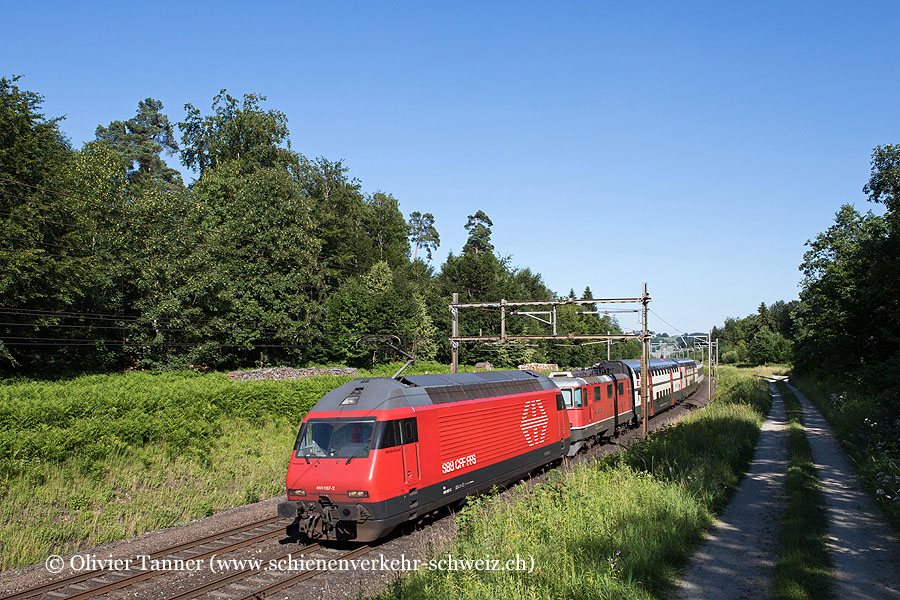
x=597 y=406
x=377 y=452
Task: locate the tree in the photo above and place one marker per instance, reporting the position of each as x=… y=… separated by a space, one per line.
x=422 y=233
x=768 y=347
x=386 y=229
x=762 y=315
x=479 y=228
x=237 y=131
x=141 y=140
x=63 y=240
x=254 y=278
x=342 y=218
x=884 y=182
x=843 y=293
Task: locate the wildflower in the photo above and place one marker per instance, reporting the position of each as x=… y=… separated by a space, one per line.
x=879 y=492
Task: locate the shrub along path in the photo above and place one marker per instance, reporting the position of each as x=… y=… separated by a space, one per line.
x=864 y=549
x=737 y=560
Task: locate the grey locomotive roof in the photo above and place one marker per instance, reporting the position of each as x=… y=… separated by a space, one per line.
x=384 y=393
x=585 y=380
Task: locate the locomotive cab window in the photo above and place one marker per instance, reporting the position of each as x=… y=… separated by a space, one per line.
x=335 y=438
x=567 y=397
x=396 y=433
x=579 y=402
x=609 y=389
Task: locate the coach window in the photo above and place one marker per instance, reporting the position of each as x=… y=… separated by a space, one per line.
x=609 y=389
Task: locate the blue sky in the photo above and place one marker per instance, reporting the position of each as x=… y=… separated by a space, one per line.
x=695 y=146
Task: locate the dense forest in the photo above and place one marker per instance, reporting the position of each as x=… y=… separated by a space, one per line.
x=269 y=257
x=109 y=261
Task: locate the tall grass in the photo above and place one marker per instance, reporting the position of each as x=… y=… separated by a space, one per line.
x=803 y=571
x=94 y=459
x=616 y=528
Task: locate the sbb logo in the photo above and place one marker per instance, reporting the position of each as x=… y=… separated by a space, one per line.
x=534 y=422
x=459 y=463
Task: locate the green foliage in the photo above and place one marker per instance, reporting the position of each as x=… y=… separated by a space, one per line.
x=884 y=183
x=267 y=259
x=850 y=311
x=479 y=228
x=422 y=233
x=380 y=302
x=93 y=417
x=237 y=131
x=141 y=140
x=765 y=337
x=768 y=347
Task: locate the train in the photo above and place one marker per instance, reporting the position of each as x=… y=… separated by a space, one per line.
x=378 y=452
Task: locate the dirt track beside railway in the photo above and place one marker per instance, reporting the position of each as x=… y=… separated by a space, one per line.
x=738 y=558
x=419 y=543
x=863 y=546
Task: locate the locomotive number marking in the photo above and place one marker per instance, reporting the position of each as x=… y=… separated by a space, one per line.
x=534 y=422
x=459 y=463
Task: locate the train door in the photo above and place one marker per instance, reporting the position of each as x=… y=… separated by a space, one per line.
x=409 y=439
x=562 y=421
x=562 y=418
x=672 y=386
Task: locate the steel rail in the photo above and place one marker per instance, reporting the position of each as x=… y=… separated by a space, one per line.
x=237 y=575
x=79 y=577
x=130 y=579
x=295 y=579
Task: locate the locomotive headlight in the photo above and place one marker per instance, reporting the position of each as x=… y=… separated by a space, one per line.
x=358 y=494
x=296 y=492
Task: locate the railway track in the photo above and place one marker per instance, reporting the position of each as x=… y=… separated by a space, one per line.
x=230 y=583
x=275 y=580
x=87 y=584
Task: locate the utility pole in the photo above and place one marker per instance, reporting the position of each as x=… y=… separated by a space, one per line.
x=717 y=359
x=608 y=344
x=645 y=360
x=454 y=344
x=709 y=369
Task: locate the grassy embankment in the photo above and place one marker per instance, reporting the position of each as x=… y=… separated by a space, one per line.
x=98 y=458
x=615 y=528
x=803 y=568
x=867 y=423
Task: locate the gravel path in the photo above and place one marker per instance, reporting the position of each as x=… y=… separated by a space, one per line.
x=864 y=548
x=737 y=559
